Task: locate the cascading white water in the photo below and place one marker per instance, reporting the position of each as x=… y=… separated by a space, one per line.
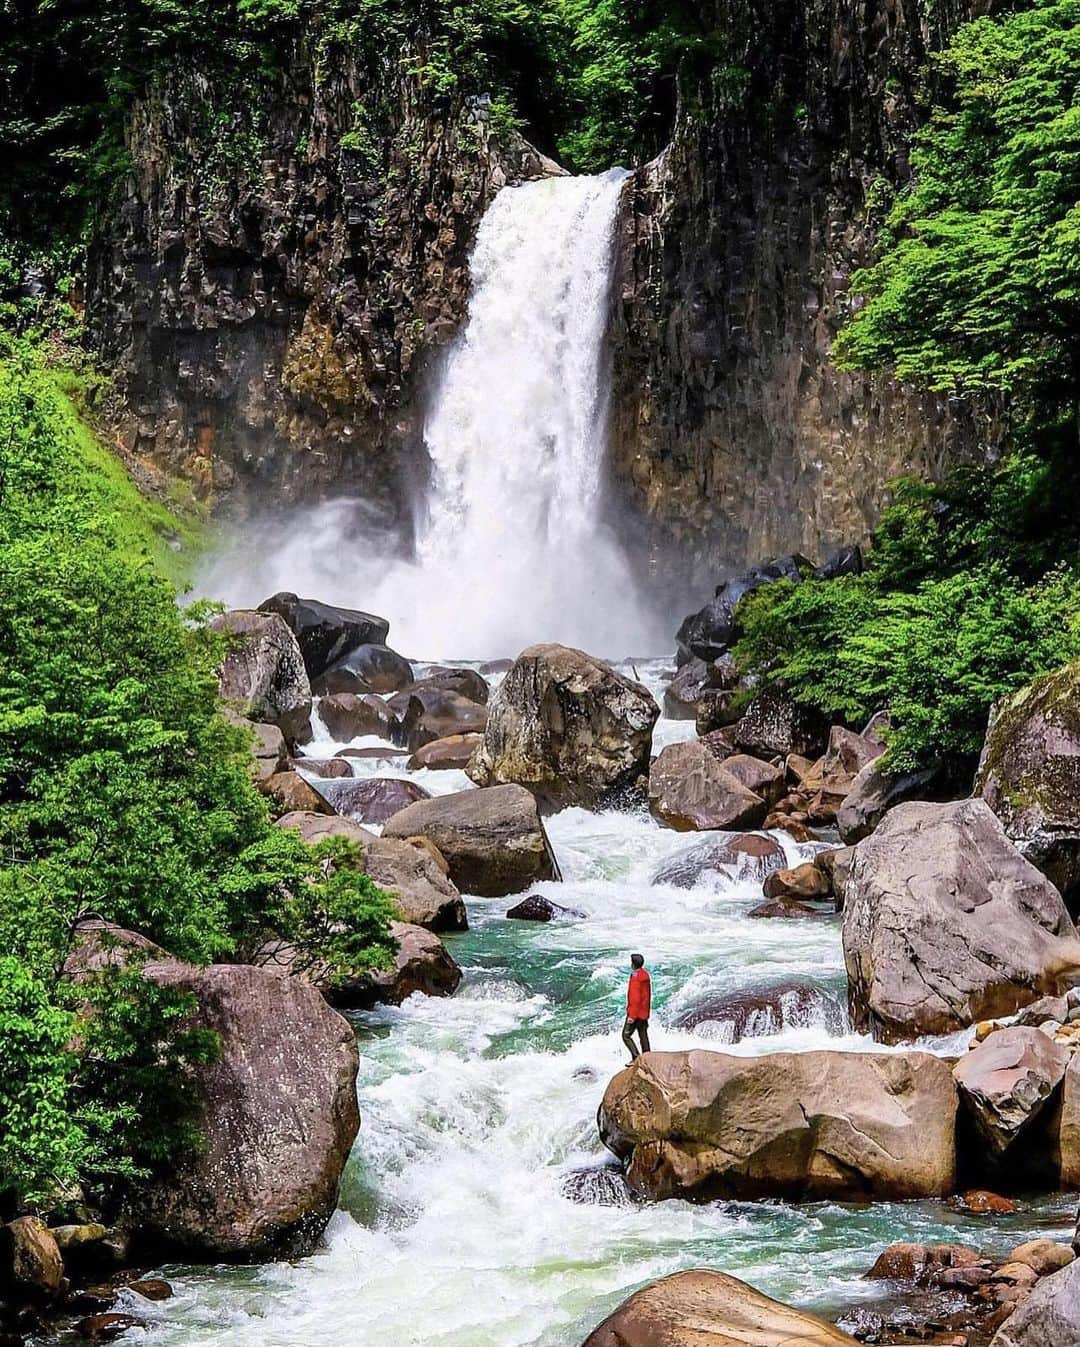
x=512 y=546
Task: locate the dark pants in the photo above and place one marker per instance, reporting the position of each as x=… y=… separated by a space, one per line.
x=639 y=1027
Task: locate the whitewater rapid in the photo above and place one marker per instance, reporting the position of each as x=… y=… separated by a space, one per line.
x=455 y=1230
x=513 y=540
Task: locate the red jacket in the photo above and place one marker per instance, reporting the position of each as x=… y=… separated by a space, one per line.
x=638 y=995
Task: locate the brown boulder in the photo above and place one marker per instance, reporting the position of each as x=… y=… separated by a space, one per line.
x=566 y=726
x=702 y=1308
x=946 y=924
x=465 y=682
x=763 y=778
x=492 y=838
x=1049 y=1315
x=690 y=790
x=422 y=964
x=782 y=907
x=107 y=1327
x=442 y=755
x=326 y=769
x=806 y=882
x=371 y=799
x=263 y=671
x=414 y=876
x=1043 y=1256
x=797 y=1125
x=920 y=1263
x=1029 y=775
x=429 y=713
x=269 y=753
x=981 y=1202
x=277 y=1115
x=742 y=856
x=30 y=1259
x=292 y=794
x=348 y=716
x=1007 y=1081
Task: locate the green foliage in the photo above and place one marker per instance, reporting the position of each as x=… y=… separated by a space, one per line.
x=123 y=792
x=978 y=283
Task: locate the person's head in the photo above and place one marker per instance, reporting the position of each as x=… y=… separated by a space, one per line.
x=637 y=961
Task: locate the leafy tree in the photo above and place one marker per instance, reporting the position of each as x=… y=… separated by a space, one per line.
x=977 y=286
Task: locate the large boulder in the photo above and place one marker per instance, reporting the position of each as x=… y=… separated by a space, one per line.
x=30 y=1260
x=347 y=715
x=566 y=726
x=797 y=1125
x=872 y=793
x=703 y=1308
x=276 y=1113
x=263 y=671
x=371 y=799
x=1049 y=1316
x=946 y=924
x=1029 y=775
x=425 y=714
x=689 y=789
x=292 y=794
x=775 y=724
x=466 y=683
x=762 y=778
x=323 y=632
x=368 y=668
x=493 y=839
x=1007 y=1081
x=423 y=892
x=421 y=964
x=692 y=681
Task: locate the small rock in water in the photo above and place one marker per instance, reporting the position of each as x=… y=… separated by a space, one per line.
x=584 y=1073
x=151 y=1288
x=106 y=1327
x=538 y=908
x=604 y=1187
x=780 y=907
x=981 y=1202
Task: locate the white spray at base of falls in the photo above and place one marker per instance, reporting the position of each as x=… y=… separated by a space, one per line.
x=511 y=542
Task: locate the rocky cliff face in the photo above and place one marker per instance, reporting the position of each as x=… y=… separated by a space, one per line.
x=287 y=253
x=733 y=432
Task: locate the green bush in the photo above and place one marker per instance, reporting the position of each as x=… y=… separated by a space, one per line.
x=124 y=793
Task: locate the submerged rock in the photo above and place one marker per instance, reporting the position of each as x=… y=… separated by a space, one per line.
x=946 y=924
x=764 y=1010
x=598 y=1186
x=492 y=838
x=741 y=856
x=323 y=632
x=1029 y=775
x=703 y=1308
x=841 y=1126
x=263 y=671
x=568 y=727
x=538 y=908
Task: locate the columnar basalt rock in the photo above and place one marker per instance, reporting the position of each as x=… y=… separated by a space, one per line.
x=734 y=433
x=286 y=253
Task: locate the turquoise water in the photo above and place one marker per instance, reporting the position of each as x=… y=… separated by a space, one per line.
x=454 y=1230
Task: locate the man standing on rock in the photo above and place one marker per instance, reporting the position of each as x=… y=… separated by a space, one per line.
x=638 y=1005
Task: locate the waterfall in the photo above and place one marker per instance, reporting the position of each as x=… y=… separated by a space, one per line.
x=512 y=545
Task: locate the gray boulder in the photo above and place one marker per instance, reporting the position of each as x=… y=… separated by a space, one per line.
x=371 y=799
x=422 y=964
x=1049 y=1316
x=690 y=790
x=414 y=875
x=277 y=1115
x=492 y=838
x=350 y=716
x=263 y=671
x=872 y=793
x=775 y=724
x=566 y=726
x=946 y=924
x=1007 y=1081
x=1029 y=775
x=368 y=668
